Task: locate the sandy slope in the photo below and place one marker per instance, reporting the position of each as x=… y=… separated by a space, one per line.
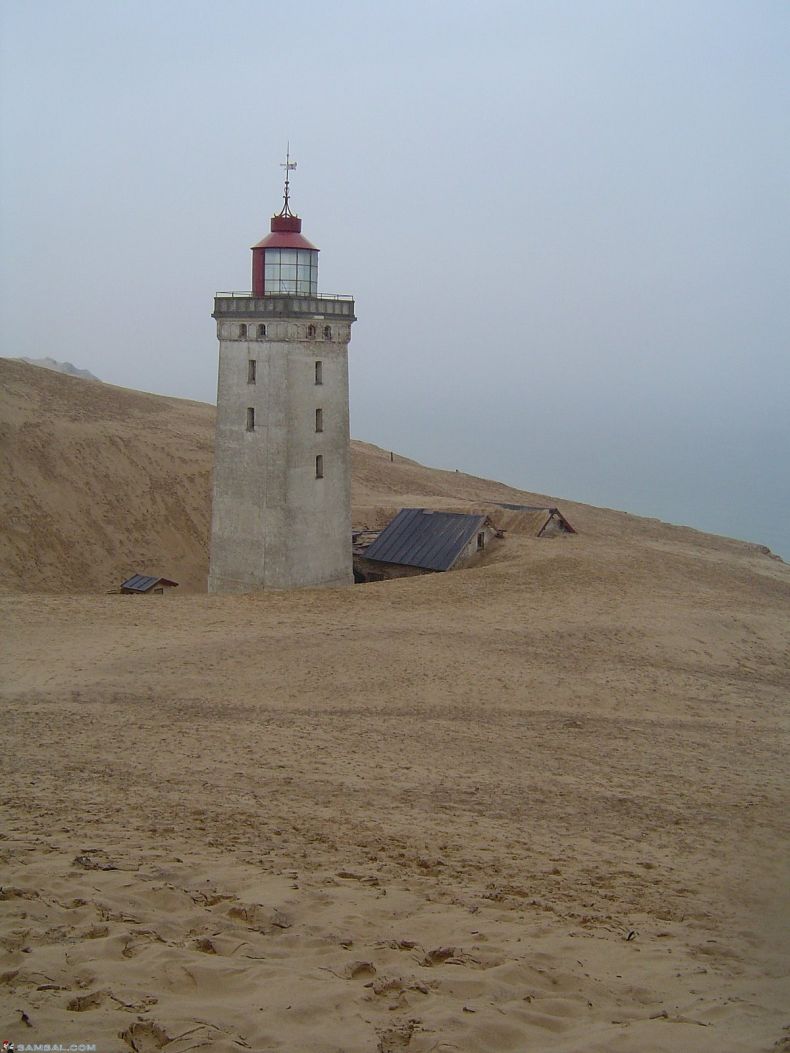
x=99 y=482
x=419 y=815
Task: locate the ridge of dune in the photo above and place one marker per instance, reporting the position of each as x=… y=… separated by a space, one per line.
x=59 y=367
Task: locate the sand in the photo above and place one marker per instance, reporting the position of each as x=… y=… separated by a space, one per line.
x=537 y=805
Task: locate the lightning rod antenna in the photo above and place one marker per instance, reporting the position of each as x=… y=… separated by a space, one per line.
x=289 y=166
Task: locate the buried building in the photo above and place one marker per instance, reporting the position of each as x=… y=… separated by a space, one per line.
x=421 y=541
x=146 y=585
x=424 y=541
x=533 y=520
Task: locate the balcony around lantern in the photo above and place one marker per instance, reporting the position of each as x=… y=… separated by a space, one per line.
x=272 y=305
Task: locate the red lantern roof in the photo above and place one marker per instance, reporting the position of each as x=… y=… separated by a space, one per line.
x=286 y=234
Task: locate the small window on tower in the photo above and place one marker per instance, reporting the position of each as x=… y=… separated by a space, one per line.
x=242 y=331
x=250 y=419
x=481 y=540
x=319 y=467
x=327 y=332
x=319 y=420
x=319 y=373
x=251 y=369
x=311 y=332
x=261 y=332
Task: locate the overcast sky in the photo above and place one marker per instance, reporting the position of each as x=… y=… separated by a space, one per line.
x=565 y=223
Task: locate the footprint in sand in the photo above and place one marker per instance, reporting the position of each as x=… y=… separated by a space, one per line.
x=138 y=940
x=395 y=1039
x=356 y=969
x=96 y=999
x=261 y=919
x=86 y=1002
x=145 y=1036
x=438 y=955
x=205 y=946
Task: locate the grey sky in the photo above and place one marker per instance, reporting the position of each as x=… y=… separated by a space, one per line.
x=565 y=224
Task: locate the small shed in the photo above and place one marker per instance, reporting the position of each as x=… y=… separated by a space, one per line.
x=146 y=585
x=421 y=541
x=536 y=521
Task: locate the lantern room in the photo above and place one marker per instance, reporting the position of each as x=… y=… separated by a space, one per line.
x=285 y=263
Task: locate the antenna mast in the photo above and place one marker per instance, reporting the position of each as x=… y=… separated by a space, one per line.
x=289 y=166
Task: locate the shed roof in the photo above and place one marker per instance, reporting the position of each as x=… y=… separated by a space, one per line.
x=536 y=511
x=144 y=582
x=418 y=537
x=527 y=508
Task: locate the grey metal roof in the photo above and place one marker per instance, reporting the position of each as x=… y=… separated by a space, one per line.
x=143 y=582
x=418 y=537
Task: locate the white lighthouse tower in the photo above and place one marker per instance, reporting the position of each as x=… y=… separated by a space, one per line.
x=281 y=514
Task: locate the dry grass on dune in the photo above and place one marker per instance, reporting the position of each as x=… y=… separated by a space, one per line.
x=539 y=805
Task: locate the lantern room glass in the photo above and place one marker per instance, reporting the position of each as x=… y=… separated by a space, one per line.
x=292 y=271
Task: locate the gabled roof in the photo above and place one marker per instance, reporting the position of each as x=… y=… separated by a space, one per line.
x=548 y=512
x=418 y=537
x=143 y=582
x=528 y=508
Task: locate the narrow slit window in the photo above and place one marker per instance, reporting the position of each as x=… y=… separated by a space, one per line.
x=250 y=419
x=252 y=366
x=327 y=332
x=261 y=332
x=319 y=420
x=319 y=372
x=242 y=331
x=319 y=466
x=481 y=541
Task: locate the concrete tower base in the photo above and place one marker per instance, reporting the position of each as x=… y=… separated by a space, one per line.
x=281 y=515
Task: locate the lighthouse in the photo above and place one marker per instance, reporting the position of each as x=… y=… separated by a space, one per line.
x=281 y=511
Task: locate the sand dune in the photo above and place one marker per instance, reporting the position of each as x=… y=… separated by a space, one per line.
x=538 y=805
x=98 y=482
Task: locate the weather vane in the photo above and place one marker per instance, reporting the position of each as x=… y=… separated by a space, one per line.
x=289 y=166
